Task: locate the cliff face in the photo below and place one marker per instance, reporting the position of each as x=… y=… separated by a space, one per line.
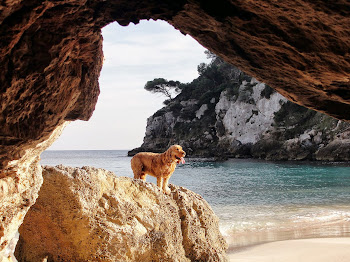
x=90 y=214
x=241 y=117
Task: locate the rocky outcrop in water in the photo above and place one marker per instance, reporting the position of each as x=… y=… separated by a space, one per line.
x=89 y=214
x=225 y=113
x=51 y=56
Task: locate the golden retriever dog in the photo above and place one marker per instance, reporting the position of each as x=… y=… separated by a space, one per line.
x=160 y=166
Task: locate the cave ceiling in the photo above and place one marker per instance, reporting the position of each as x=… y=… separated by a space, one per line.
x=51 y=54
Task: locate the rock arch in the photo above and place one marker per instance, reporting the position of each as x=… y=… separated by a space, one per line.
x=51 y=57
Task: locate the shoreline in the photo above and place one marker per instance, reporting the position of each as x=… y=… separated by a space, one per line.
x=345 y=163
x=327 y=223
x=297 y=250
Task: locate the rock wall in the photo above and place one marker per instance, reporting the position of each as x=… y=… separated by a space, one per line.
x=248 y=117
x=18 y=192
x=90 y=214
x=241 y=117
x=301 y=49
x=51 y=56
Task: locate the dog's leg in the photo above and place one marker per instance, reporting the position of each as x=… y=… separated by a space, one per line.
x=143 y=176
x=137 y=175
x=136 y=167
x=166 y=189
x=160 y=182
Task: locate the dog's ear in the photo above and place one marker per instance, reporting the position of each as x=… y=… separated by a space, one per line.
x=166 y=156
x=169 y=153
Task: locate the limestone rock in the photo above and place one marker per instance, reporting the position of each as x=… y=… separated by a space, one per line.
x=19 y=187
x=246 y=119
x=201 y=239
x=337 y=150
x=90 y=214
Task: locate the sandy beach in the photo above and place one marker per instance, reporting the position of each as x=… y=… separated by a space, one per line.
x=303 y=250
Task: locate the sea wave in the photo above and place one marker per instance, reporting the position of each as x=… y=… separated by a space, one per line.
x=287 y=223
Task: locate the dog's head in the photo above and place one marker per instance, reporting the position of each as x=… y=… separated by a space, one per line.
x=176 y=153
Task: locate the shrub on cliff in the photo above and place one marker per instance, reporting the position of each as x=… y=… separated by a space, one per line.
x=163 y=86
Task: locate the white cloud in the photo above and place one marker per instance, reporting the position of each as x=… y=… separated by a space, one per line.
x=133 y=55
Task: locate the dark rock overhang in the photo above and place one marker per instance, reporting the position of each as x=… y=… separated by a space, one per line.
x=51 y=54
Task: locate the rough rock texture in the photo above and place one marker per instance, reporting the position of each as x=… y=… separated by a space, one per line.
x=225 y=113
x=90 y=214
x=50 y=56
x=337 y=150
x=19 y=187
x=300 y=48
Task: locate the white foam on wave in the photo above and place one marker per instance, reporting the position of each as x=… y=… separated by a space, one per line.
x=323 y=216
x=286 y=223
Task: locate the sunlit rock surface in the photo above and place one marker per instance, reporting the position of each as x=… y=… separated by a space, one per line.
x=19 y=187
x=90 y=214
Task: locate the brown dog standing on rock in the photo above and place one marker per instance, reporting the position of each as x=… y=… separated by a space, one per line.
x=160 y=166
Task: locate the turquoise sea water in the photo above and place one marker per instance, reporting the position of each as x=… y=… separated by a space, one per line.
x=256 y=201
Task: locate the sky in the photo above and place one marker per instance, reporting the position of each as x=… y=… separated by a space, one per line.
x=133 y=55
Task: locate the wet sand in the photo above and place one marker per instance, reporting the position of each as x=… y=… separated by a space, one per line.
x=302 y=250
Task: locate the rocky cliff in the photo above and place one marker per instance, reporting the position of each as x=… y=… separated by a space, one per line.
x=225 y=113
x=89 y=214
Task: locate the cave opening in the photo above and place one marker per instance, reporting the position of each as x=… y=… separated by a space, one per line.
x=133 y=55
x=307 y=74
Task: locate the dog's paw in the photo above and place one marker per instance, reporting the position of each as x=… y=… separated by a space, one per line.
x=167 y=190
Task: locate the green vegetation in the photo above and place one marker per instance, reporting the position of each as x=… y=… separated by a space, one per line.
x=267 y=92
x=214 y=77
x=298 y=119
x=204 y=133
x=163 y=86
